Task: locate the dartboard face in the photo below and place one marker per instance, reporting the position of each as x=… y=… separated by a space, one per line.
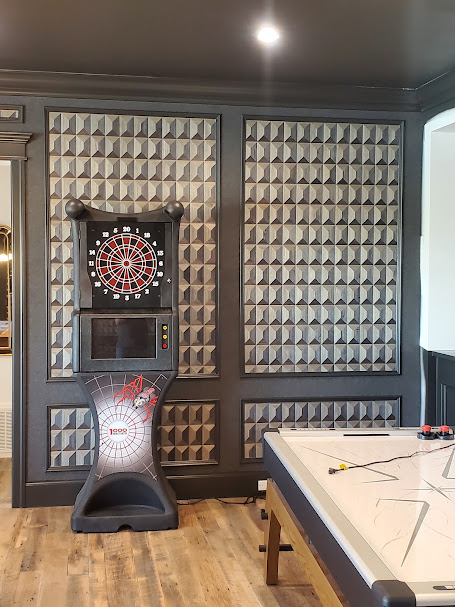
x=126 y=263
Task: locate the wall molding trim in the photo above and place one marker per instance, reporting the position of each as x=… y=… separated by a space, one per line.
x=19 y=325
x=11 y=113
x=425 y=98
x=144 y=88
x=436 y=93
x=10 y=137
x=191 y=486
x=12 y=145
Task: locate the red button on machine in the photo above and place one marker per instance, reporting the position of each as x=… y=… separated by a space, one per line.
x=444 y=429
x=426 y=429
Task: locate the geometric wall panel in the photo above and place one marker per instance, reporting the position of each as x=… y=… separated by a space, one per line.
x=188 y=432
x=314 y=414
x=128 y=164
x=72 y=437
x=187 y=435
x=321 y=244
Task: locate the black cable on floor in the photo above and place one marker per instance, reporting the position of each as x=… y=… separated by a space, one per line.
x=249 y=500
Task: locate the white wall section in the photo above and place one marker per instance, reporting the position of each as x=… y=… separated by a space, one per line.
x=438 y=234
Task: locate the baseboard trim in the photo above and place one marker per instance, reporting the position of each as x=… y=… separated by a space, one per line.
x=192 y=486
x=234 y=484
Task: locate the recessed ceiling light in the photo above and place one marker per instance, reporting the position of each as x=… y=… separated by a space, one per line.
x=268 y=34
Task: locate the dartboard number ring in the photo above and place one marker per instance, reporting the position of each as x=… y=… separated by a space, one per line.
x=125 y=262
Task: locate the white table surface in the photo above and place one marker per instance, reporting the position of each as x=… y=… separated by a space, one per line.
x=404 y=510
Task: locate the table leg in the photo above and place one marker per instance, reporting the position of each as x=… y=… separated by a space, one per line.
x=272 y=545
x=281 y=516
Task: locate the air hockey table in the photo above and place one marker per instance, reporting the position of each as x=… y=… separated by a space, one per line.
x=386 y=532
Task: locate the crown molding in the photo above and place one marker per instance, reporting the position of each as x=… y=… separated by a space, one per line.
x=10 y=137
x=437 y=94
x=12 y=145
x=171 y=90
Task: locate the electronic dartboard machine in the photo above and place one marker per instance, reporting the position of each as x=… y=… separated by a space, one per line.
x=125 y=356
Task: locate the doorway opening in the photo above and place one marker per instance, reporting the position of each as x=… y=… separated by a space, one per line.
x=437 y=328
x=6 y=413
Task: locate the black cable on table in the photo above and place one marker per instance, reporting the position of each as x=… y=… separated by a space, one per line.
x=386 y=461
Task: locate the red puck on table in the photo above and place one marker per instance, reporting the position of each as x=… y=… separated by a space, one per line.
x=445 y=433
x=426 y=433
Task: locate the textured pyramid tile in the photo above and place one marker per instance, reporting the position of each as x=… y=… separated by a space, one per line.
x=321 y=237
x=188 y=433
x=128 y=164
x=256 y=417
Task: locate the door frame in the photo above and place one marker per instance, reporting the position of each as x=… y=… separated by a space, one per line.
x=13 y=148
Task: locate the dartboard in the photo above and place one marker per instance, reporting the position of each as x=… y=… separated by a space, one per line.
x=126 y=264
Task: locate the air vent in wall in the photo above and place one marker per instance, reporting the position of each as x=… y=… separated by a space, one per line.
x=5 y=430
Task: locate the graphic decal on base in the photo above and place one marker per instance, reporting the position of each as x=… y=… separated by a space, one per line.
x=140 y=397
x=125 y=404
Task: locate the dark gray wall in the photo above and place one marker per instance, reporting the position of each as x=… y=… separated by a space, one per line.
x=232 y=388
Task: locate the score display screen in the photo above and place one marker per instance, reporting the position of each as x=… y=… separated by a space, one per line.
x=123 y=337
x=126 y=263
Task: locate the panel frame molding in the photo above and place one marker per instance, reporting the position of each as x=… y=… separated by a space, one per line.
x=217 y=434
x=19 y=330
x=245 y=460
x=170 y=464
x=9 y=106
x=332 y=120
x=48 y=109
x=49 y=467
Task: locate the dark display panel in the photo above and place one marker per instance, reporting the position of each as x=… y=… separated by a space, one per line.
x=123 y=338
x=126 y=264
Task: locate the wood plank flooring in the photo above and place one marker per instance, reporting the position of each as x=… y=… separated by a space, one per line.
x=212 y=559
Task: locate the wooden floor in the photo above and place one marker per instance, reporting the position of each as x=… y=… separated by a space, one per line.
x=211 y=560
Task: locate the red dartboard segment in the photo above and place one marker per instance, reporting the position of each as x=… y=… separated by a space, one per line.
x=126 y=264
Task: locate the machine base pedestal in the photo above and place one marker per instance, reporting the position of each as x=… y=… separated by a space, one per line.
x=126 y=486
x=124 y=500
